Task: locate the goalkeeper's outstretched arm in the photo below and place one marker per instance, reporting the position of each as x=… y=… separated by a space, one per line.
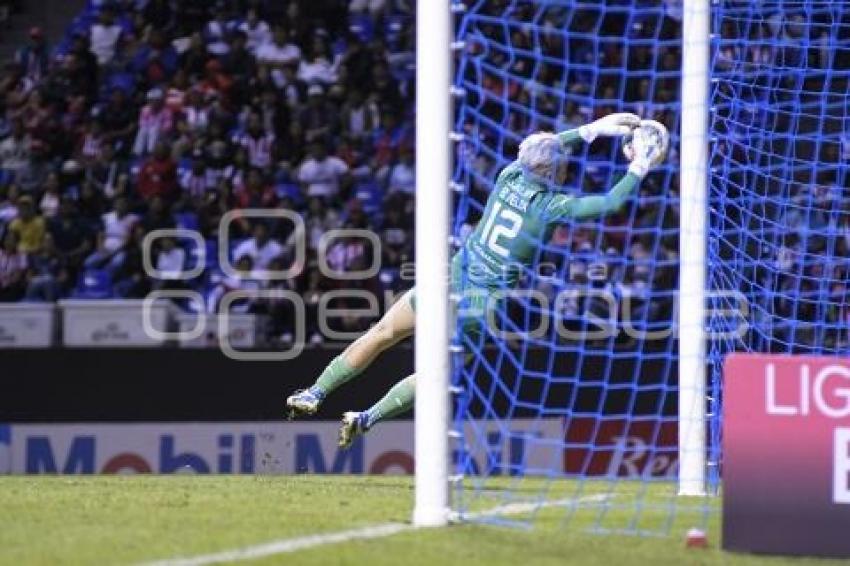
x=646 y=152
x=600 y=205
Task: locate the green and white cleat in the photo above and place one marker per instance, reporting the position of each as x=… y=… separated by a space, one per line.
x=353 y=425
x=304 y=402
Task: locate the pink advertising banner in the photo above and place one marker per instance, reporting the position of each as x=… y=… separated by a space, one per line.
x=786 y=454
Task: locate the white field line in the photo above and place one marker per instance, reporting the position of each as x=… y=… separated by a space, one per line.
x=285 y=546
x=520 y=508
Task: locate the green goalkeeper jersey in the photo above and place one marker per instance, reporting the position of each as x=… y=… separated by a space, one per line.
x=521 y=214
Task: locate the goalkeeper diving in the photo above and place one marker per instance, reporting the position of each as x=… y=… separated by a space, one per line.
x=527 y=203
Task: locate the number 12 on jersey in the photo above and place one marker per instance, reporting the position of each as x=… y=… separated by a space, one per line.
x=503 y=223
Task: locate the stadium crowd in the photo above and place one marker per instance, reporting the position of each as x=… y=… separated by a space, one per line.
x=157 y=114
x=154 y=114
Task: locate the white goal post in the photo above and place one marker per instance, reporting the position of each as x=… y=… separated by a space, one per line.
x=693 y=192
x=433 y=174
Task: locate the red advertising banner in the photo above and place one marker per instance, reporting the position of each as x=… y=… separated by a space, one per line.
x=786 y=455
x=618 y=447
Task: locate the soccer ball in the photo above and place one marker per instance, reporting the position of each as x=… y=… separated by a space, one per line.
x=659 y=135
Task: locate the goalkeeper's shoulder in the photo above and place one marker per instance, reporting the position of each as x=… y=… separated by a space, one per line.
x=509 y=170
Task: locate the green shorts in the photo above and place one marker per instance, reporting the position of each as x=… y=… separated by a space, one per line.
x=469 y=301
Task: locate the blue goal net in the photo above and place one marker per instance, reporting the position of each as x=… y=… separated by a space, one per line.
x=779 y=231
x=566 y=399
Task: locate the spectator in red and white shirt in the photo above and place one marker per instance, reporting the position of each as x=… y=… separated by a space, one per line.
x=175 y=94
x=91 y=144
x=196 y=114
x=196 y=181
x=155 y=123
x=257 y=142
x=348 y=254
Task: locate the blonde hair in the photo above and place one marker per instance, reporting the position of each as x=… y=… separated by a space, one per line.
x=538 y=154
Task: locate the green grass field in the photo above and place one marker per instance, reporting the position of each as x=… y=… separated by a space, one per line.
x=137 y=519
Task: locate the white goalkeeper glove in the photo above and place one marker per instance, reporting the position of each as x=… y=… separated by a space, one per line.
x=611 y=125
x=648 y=147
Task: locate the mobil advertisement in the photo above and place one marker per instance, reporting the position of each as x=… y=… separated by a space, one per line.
x=786 y=454
x=586 y=447
x=251 y=448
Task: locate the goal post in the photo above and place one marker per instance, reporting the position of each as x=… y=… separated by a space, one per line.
x=433 y=170
x=692 y=247
x=569 y=415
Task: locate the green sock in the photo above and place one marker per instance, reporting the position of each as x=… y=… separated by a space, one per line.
x=398 y=400
x=337 y=373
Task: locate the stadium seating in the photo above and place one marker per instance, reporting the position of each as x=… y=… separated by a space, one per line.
x=77 y=120
x=94 y=284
